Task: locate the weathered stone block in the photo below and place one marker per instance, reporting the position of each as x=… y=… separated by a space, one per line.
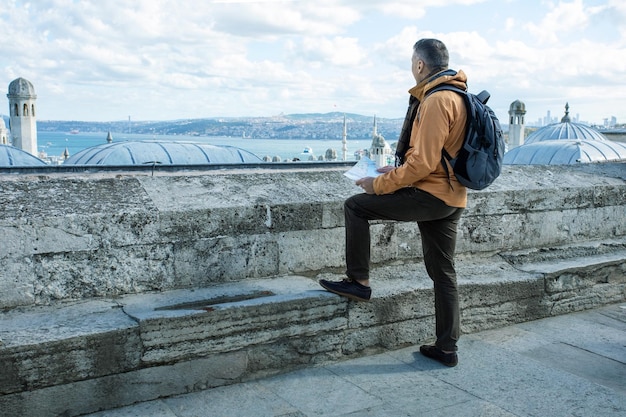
x=187 y=324
x=106 y=392
x=49 y=346
x=301 y=251
x=389 y=336
x=203 y=262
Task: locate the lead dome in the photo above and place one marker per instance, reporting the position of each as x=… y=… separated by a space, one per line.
x=21 y=87
x=11 y=156
x=160 y=152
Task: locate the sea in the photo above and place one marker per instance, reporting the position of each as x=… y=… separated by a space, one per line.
x=53 y=144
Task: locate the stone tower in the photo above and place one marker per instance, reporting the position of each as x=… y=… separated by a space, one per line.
x=517 y=110
x=23 y=122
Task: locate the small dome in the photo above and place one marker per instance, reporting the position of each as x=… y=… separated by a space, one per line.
x=21 y=87
x=517 y=107
x=150 y=152
x=11 y=156
x=565 y=152
x=378 y=141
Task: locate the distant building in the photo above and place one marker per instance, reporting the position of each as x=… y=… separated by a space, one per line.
x=330 y=155
x=22 y=119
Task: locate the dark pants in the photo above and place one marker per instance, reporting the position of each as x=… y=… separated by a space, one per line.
x=437 y=224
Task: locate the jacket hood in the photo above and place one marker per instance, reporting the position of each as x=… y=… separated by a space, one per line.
x=456 y=78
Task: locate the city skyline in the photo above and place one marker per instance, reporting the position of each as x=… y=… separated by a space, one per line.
x=165 y=60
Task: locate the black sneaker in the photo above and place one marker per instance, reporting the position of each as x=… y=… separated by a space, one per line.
x=348 y=288
x=433 y=352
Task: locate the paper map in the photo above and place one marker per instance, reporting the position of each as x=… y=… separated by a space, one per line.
x=364 y=168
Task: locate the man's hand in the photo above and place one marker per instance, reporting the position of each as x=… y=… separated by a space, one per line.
x=386 y=168
x=367 y=184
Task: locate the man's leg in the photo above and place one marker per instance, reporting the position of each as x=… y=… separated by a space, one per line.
x=407 y=204
x=359 y=210
x=439 y=242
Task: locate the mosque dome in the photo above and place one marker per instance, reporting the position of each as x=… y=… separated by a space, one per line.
x=21 y=87
x=160 y=152
x=565 y=143
x=565 y=131
x=11 y=156
x=565 y=152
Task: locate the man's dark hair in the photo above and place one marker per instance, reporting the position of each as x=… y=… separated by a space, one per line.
x=433 y=52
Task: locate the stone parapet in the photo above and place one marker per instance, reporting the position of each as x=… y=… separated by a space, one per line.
x=74 y=237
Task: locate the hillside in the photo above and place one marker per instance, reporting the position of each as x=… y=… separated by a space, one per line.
x=306 y=126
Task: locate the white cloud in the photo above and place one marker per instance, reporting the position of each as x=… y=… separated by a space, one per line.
x=160 y=59
x=562 y=19
x=415 y=9
x=271 y=19
x=338 y=51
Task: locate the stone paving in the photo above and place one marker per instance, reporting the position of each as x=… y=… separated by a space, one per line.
x=569 y=365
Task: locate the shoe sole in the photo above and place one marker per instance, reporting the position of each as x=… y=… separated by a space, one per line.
x=343 y=294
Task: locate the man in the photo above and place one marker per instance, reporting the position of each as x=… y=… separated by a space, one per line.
x=419 y=189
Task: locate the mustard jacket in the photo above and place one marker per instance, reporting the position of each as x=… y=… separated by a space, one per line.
x=440 y=122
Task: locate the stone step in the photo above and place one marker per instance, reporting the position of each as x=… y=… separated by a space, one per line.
x=553 y=261
x=101 y=354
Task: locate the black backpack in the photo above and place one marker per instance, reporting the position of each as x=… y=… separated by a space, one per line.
x=479 y=161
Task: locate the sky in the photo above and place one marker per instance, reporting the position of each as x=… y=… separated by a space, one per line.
x=187 y=59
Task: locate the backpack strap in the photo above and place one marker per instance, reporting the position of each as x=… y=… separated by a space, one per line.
x=445 y=156
x=405 y=133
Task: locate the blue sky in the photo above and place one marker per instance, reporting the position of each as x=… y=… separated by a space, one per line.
x=165 y=59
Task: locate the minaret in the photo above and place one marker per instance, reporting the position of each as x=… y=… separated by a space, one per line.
x=375 y=132
x=344 y=139
x=517 y=110
x=4 y=133
x=380 y=151
x=23 y=123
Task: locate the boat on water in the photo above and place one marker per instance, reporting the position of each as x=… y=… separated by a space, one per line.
x=307 y=151
x=74 y=131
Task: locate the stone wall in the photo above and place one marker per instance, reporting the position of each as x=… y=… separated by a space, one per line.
x=78 y=236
